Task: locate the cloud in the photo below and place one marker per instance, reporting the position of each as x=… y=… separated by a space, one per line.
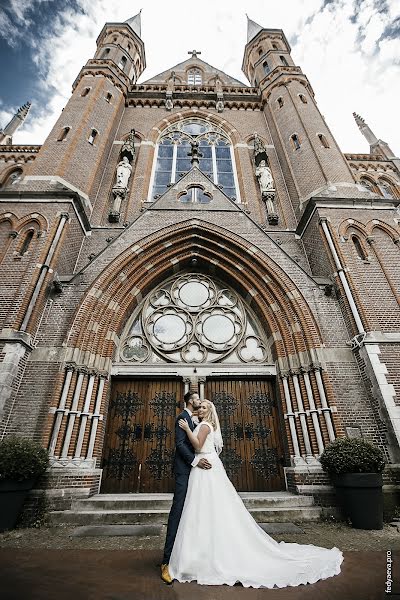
x=349 y=50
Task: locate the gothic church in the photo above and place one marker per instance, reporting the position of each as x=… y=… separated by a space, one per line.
x=192 y=232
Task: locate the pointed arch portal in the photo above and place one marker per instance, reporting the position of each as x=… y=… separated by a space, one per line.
x=141 y=337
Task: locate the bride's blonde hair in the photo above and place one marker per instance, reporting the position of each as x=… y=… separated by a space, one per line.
x=209 y=416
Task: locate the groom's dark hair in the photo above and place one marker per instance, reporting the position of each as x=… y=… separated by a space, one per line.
x=188 y=396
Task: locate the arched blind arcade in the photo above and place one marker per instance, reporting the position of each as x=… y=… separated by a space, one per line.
x=173 y=160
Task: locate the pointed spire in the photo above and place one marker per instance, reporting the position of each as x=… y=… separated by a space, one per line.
x=17 y=120
x=252 y=29
x=365 y=130
x=136 y=23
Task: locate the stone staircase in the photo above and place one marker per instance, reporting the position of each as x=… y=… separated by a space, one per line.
x=145 y=509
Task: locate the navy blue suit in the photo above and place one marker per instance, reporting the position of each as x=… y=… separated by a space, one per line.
x=184 y=455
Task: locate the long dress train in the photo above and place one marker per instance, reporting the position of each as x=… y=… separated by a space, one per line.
x=218 y=541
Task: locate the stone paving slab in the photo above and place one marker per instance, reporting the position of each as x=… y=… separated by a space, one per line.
x=134 y=575
x=157 y=530
x=117 y=530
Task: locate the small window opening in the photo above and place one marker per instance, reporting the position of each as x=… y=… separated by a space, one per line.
x=63 y=134
x=385 y=189
x=122 y=63
x=266 y=68
x=303 y=98
x=92 y=136
x=275 y=47
x=195 y=195
x=284 y=61
x=358 y=247
x=105 y=53
x=280 y=102
x=108 y=97
x=115 y=39
x=295 y=141
x=260 y=52
x=323 y=140
x=85 y=91
x=129 y=47
x=26 y=242
x=194 y=77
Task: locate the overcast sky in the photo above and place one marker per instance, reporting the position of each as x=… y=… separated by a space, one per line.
x=349 y=50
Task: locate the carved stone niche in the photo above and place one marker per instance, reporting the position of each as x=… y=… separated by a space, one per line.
x=265 y=180
x=123 y=174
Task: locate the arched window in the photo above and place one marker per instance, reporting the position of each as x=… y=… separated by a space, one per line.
x=108 y=97
x=63 y=134
x=26 y=243
x=173 y=160
x=260 y=52
x=194 y=77
x=13 y=177
x=105 y=53
x=195 y=195
x=266 y=68
x=275 y=47
x=85 y=91
x=295 y=141
x=280 y=102
x=92 y=136
x=369 y=185
x=303 y=98
x=386 y=189
x=284 y=61
x=323 y=140
x=122 y=63
x=358 y=248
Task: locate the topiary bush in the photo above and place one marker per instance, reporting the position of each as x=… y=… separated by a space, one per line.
x=22 y=459
x=352 y=456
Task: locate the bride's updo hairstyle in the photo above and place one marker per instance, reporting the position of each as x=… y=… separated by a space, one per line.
x=209 y=416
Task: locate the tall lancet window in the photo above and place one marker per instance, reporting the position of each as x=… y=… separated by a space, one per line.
x=173 y=160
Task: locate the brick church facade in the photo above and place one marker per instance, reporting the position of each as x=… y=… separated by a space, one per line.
x=192 y=232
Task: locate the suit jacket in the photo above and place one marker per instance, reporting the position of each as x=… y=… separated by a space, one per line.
x=184 y=451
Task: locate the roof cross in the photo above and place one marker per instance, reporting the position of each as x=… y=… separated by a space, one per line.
x=194 y=53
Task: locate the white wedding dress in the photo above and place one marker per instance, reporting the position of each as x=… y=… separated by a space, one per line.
x=218 y=542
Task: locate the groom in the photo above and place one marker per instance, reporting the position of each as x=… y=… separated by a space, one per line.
x=184 y=460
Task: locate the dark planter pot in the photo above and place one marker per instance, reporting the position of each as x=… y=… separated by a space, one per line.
x=12 y=497
x=361 y=498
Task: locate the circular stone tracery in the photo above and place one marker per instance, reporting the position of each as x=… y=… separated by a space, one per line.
x=193 y=319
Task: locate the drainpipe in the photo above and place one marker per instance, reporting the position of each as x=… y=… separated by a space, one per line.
x=44 y=270
x=343 y=279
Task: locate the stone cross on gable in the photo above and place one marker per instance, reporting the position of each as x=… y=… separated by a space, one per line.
x=194 y=53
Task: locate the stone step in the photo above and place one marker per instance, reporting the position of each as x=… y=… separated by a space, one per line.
x=160 y=516
x=163 y=501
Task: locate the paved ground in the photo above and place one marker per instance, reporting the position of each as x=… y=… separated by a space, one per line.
x=53 y=564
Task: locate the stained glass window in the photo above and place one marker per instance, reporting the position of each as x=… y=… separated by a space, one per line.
x=173 y=160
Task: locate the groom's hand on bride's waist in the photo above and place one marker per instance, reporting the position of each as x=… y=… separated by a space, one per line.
x=204 y=464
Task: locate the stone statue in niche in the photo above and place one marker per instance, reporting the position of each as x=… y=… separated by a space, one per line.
x=220 y=96
x=265 y=179
x=124 y=170
x=123 y=174
x=169 y=103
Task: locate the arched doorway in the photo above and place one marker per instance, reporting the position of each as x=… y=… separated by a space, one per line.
x=192 y=331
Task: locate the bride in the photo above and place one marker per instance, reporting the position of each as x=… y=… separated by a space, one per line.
x=218 y=542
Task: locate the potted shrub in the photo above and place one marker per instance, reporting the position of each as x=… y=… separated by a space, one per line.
x=22 y=462
x=355 y=467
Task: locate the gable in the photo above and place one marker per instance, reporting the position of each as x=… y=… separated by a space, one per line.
x=170 y=200
x=209 y=73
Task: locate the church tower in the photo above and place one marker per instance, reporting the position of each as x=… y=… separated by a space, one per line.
x=76 y=149
x=307 y=150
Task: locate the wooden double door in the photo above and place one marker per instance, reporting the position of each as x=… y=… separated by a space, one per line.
x=140 y=438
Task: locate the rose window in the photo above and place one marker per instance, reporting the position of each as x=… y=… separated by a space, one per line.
x=193 y=319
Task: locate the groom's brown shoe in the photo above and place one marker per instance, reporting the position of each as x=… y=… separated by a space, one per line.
x=165 y=576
